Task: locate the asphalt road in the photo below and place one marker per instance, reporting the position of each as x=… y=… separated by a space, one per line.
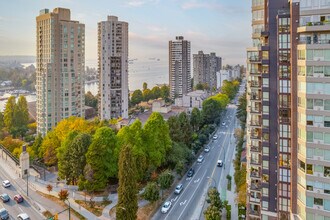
x=190 y=203
x=11 y=206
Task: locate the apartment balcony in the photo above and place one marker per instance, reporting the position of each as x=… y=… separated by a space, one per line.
x=255 y=197
x=254 y=148
x=255 y=73
x=255 y=110
x=255 y=84
x=255 y=185
x=255 y=96
x=254 y=59
x=255 y=123
x=255 y=133
x=255 y=173
x=254 y=212
x=318 y=26
x=316 y=41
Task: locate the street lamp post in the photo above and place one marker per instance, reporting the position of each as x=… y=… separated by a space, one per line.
x=69 y=208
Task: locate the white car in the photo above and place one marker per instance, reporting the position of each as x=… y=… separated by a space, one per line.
x=206 y=149
x=178 y=189
x=223 y=123
x=23 y=216
x=215 y=137
x=200 y=159
x=167 y=205
x=6 y=183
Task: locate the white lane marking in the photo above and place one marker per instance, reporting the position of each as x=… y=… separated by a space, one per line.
x=192 y=196
x=20 y=209
x=183 y=203
x=196 y=181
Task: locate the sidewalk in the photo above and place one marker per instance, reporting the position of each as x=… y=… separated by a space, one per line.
x=231 y=195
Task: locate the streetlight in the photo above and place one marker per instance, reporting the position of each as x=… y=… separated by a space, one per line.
x=67 y=199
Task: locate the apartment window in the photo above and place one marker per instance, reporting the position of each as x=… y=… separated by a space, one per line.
x=265 y=192
x=326 y=121
x=310 y=169
x=265 y=164
x=265 y=178
x=265 y=82
x=265 y=96
x=265 y=151
x=326 y=104
x=326 y=171
x=265 y=205
x=265 y=108
x=309 y=185
x=318 y=201
x=265 y=123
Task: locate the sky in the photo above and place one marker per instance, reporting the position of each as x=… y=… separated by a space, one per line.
x=221 y=26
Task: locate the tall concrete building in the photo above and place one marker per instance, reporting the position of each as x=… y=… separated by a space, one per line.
x=205 y=68
x=179 y=67
x=60 y=68
x=288 y=135
x=113 y=68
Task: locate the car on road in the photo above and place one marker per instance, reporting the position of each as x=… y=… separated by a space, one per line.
x=190 y=172
x=220 y=163
x=206 y=149
x=6 y=183
x=223 y=123
x=200 y=159
x=18 y=198
x=4 y=197
x=178 y=189
x=167 y=205
x=23 y=216
x=215 y=137
x=4 y=214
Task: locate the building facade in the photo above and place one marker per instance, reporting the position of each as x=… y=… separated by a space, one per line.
x=205 y=67
x=60 y=68
x=288 y=135
x=113 y=68
x=179 y=67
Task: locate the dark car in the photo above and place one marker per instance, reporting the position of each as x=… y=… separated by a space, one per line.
x=18 y=198
x=4 y=197
x=4 y=214
x=190 y=172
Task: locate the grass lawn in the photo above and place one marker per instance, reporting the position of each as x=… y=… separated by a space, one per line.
x=98 y=207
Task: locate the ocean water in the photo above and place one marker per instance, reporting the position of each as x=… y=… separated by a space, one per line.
x=152 y=71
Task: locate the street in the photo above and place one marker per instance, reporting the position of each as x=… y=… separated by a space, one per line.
x=190 y=203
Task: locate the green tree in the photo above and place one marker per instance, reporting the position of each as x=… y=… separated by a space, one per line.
x=9 y=113
x=151 y=192
x=21 y=117
x=199 y=86
x=178 y=153
x=165 y=92
x=147 y=95
x=49 y=147
x=241 y=112
x=91 y=100
x=185 y=128
x=133 y=136
x=156 y=92
x=165 y=179
x=37 y=144
x=2 y=122
x=195 y=119
x=156 y=132
x=71 y=156
x=213 y=106
x=137 y=97
x=175 y=129
x=144 y=86
x=127 y=191
x=213 y=212
x=102 y=156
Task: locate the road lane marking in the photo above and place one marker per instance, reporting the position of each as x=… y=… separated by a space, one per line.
x=192 y=195
x=183 y=203
x=20 y=209
x=196 y=181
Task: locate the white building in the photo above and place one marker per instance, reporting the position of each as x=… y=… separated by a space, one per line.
x=192 y=100
x=221 y=76
x=179 y=67
x=60 y=68
x=113 y=68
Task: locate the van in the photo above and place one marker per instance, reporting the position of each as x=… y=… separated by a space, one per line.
x=220 y=163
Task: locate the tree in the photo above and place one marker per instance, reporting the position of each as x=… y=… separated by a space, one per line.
x=199 y=86
x=71 y=156
x=213 y=212
x=21 y=112
x=9 y=113
x=151 y=192
x=185 y=128
x=102 y=156
x=127 y=191
x=241 y=112
x=91 y=100
x=49 y=188
x=137 y=97
x=195 y=119
x=2 y=122
x=48 y=148
x=175 y=129
x=213 y=106
x=165 y=92
x=147 y=95
x=179 y=154
x=37 y=144
x=144 y=86
x=155 y=92
x=63 y=194
x=165 y=179
x=157 y=138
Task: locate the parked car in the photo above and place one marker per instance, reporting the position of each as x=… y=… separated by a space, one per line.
x=200 y=159
x=206 y=149
x=215 y=137
x=167 y=205
x=220 y=163
x=223 y=123
x=23 y=216
x=6 y=183
x=191 y=172
x=178 y=189
x=18 y=198
x=4 y=214
x=4 y=197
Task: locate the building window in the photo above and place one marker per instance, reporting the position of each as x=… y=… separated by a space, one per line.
x=310 y=169
x=318 y=201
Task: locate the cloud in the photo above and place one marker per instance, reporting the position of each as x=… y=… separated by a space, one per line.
x=138 y=3
x=196 y=4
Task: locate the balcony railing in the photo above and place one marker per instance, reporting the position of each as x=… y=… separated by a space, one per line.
x=317 y=23
x=254 y=212
x=256 y=162
x=315 y=41
x=255 y=148
x=256 y=110
x=255 y=123
x=255 y=84
x=254 y=59
x=255 y=174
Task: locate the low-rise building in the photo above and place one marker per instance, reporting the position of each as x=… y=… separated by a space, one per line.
x=160 y=106
x=192 y=100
